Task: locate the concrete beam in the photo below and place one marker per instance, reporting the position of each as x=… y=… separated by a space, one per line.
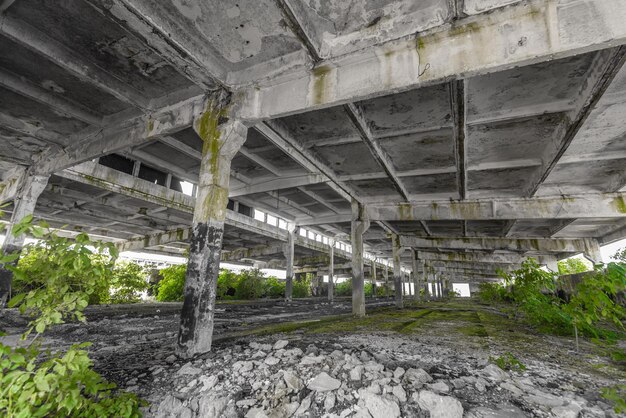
x=119 y=136
x=596 y=205
x=582 y=245
x=58 y=103
x=520 y=34
x=69 y=60
x=361 y=124
x=169 y=36
x=472 y=257
x=274 y=184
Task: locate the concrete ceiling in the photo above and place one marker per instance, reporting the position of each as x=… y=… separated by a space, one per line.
x=550 y=125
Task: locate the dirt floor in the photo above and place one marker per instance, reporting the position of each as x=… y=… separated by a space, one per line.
x=306 y=358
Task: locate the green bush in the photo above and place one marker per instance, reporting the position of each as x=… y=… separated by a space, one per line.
x=301 y=288
x=34 y=384
x=171 y=288
x=344 y=288
x=128 y=281
x=226 y=284
x=250 y=284
x=491 y=292
x=368 y=289
x=274 y=288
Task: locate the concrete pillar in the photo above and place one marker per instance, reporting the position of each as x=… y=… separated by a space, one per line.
x=359 y=225
x=221 y=138
x=288 y=252
x=397 y=270
x=386 y=277
x=331 y=271
x=416 y=275
x=374 y=278
x=23 y=205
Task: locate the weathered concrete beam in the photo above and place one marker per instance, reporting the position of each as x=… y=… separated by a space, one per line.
x=119 y=136
x=473 y=257
x=355 y=114
x=331 y=272
x=519 y=34
x=280 y=137
x=222 y=138
x=604 y=70
x=472 y=265
x=43 y=96
x=117 y=182
x=545 y=245
x=597 y=205
x=69 y=60
x=320 y=220
x=275 y=184
x=169 y=35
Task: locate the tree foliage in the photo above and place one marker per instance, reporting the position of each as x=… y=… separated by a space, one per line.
x=171 y=287
x=37 y=384
x=127 y=282
x=572 y=266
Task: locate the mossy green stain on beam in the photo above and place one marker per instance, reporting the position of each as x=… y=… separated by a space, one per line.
x=620 y=204
x=320 y=84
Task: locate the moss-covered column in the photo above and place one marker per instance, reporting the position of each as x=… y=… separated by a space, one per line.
x=331 y=271
x=397 y=270
x=23 y=205
x=288 y=253
x=359 y=225
x=221 y=138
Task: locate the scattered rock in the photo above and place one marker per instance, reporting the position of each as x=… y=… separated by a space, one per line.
x=280 y=344
x=293 y=382
x=323 y=383
x=417 y=377
x=188 y=369
x=171 y=359
x=439 y=406
x=379 y=406
x=494 y=373
x=438 y=387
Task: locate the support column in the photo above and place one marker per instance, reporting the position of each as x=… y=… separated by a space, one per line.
x=397 y=270
x=288 y=252
x=331 y=271
x=360 y=224
x=386 y=277
x=23 y=205
x=416 y=275
x=374 y=278
x=221 y=138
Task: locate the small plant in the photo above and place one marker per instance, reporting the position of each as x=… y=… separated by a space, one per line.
x=226 y=285
x=617 y=395
x=508 y=361
x=491 y=292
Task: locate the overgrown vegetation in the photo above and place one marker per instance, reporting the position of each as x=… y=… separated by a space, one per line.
x=246 y=285
x=573 y=266
x=57 y=285
x=594 y=308
x=46 y=262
